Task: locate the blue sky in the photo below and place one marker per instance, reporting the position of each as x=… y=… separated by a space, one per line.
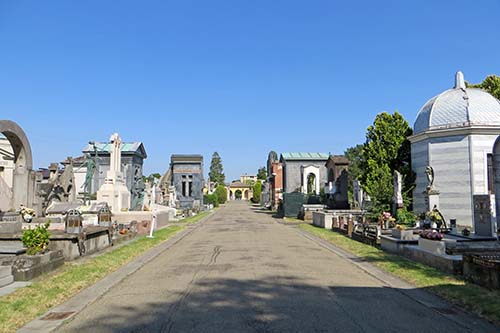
x=238 y=77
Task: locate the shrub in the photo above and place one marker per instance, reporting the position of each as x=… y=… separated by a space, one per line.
x=36 y=240
x=211 y=199
x=257 y=190
x=221 y=194
x=405 y=217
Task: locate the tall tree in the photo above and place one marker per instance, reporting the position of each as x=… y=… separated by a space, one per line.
x=262 y=173
x=354 y=155
x=386 y=149
x=491 y=84
x=216 y=173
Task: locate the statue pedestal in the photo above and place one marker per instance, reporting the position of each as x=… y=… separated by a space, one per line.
x=431 y=198
x=114 y=193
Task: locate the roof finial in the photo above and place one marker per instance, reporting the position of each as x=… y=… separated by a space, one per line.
x=459 y=80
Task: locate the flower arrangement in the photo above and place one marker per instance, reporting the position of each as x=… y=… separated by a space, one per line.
x=386 y=220
x=27 y=214
x=400 y=227
x=432 y=235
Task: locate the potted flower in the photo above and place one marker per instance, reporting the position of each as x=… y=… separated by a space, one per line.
x=36 y=240
x=386 y=220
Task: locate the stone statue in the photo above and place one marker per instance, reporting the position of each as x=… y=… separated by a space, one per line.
x=398 y=187
x=91 y=166
x=429 y=171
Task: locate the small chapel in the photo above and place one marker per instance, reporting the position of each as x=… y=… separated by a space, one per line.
x=454 y=134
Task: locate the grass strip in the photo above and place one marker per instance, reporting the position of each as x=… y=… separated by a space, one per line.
x=479 y=300
x=26 y=304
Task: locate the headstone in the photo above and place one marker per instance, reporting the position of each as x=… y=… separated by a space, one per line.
x=453 y=226
x=483 y=216
x=113 y=191
x=74 y=222
x=357 y=192
x=104 y=217
x=10 y=223
x=398 y=196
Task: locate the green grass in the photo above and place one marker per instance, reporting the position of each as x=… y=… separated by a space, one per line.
x=476 y=299
x=28 y=303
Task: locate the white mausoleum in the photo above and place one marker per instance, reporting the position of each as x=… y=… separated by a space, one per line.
x=454 y=134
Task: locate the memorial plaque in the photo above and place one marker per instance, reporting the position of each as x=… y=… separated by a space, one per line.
x=483 y=216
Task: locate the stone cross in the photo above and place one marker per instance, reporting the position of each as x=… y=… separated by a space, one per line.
x=116 y=153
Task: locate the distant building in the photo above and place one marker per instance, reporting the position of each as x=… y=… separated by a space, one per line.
x=304 y=172
x=133 y=155
x=248 y=178
x=274 y=179
x=454 y=133
x=336 y=188
x=239 y=191
x=187 y=178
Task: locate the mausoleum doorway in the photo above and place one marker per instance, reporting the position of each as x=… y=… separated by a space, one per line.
x=21 y=192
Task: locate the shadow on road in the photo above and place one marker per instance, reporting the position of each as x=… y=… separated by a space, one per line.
x=274 y=305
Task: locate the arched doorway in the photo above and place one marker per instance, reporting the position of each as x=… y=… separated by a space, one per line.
x=238 y=195
x=245 y=195
x=22 y=182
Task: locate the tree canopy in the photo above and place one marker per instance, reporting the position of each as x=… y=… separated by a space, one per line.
x=491 y=84
x=262 y=173
x=216 y=173
x=386 y=149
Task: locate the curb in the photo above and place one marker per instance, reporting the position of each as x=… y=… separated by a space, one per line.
x=78 y=302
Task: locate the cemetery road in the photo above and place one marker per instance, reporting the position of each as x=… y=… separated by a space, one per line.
x=241 y=271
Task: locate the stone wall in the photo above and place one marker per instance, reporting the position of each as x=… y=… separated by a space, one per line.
x=292 y=174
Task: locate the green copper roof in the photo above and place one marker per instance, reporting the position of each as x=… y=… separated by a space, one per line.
x=304 y=156
x=127 y=147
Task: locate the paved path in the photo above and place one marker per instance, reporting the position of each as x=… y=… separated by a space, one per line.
x=242 y=272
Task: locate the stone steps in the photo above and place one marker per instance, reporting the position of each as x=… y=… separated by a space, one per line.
x=6 y=276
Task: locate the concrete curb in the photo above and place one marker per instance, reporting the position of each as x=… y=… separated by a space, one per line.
x=89 y=295
x=433 y=302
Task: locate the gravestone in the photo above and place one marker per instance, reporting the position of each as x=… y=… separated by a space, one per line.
x=357 y=192
x=74 y=222
x=398 y=196
x=483 y=216
x=10 y=223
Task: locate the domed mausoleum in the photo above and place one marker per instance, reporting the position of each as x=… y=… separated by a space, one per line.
x=454 y=134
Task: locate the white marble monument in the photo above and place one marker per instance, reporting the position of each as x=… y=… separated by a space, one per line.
x=113 y=191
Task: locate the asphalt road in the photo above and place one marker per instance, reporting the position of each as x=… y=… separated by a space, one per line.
x=240 y=271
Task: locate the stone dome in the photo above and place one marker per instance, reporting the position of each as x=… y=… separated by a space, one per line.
x=458 y=107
